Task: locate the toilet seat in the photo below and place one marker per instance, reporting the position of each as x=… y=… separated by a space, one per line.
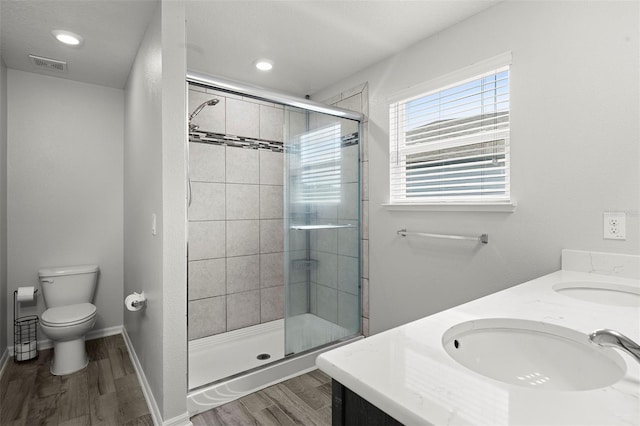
x=65 y=316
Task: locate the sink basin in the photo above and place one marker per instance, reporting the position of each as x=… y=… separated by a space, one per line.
x=601 y=292
x=533 y=354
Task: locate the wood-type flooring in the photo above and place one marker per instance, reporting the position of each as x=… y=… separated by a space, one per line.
x=107 y=392
x=303 y=400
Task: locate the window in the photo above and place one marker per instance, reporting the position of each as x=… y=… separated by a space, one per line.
x=451 y=144
x=318 y=167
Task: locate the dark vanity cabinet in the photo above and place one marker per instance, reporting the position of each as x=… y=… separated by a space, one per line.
x=350 y=409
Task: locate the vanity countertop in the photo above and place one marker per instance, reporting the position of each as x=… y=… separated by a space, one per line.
x=406 y=372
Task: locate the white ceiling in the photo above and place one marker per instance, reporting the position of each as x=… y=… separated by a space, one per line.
x=312 y=43
x=112 y=31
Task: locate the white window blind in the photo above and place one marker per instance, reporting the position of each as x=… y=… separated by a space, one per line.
x=452 y=144
x=317 y=174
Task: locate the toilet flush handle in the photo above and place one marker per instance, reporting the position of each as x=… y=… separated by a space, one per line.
x=47 y=280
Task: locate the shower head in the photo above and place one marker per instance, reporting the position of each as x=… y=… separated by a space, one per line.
x=200 y=107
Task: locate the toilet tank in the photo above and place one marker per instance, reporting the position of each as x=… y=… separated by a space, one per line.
x=68 y=285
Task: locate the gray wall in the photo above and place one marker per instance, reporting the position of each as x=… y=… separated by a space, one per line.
x=4 y=319
x=64 y=194
x=574 y=153
x=154 y=184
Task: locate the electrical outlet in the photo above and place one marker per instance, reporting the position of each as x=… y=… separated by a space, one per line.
x=614 y=225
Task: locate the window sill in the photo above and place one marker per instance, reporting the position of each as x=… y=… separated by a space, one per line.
x=506 y=207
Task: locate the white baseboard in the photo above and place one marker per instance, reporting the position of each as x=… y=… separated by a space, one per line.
x=4 y=360
x=146 y=389
x=93 y=334
x=181 y=420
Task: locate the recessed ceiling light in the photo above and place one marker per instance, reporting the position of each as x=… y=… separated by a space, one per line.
x=264 y=64
x=67 y=37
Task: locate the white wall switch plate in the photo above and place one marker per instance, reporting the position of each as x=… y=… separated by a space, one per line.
x=614 y=225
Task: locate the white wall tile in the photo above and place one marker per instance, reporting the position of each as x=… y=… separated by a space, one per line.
x=297 y=298
x=243 y=309
x=211 y=118
x=243 y=237
x=352 y=103
x=365 y=297
x=242 y=165
x=207 y=278
x=206 y=240
x=356 y=90
x=349 y=159
x=327 y=303
x=325 y=240
x=271 y=303
x=365 y=219
x=207 y=201
x=243 y=273
x=364 y=258
x=243 y=118
x=348 y=311
x=295 y=123
x=206 y=162
x=207 y=317
x=313 y=298
x=348 y=278
x=326 y=272
x=271 y=202
x=364 y=183
x=271 y=123
x=271 y=235
x=297 y=274
x=349 y=201
x=271 y=168
x=348 y=239
x=243 y=201
x=327 y=212
x=271 y=269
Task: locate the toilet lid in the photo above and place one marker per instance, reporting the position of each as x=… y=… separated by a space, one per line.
x=68 y=315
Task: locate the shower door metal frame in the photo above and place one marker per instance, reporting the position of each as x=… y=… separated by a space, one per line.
x=270 y=96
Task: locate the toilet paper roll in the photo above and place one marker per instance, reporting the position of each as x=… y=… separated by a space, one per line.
x=26 y=294
x=134 y=302
x=26 y=351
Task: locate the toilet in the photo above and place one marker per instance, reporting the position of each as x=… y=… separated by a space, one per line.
x=68 y=292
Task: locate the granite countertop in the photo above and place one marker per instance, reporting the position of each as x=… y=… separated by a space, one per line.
x=406 y=372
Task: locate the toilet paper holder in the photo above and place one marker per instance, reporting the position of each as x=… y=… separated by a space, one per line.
x=25 y=332
x=135 y=301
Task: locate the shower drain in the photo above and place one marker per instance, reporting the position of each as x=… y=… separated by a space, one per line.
x=263 y=356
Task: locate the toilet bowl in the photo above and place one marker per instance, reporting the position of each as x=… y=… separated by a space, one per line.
x=67 y=292
x=66 y=326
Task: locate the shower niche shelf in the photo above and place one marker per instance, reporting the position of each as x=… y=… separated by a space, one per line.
x=319 y=227
x=304 y=264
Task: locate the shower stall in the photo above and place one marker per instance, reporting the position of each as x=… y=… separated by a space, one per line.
x=274 y=232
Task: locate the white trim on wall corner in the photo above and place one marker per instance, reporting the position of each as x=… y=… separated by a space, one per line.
x=181 y=420
x=4 y=359
x=142 y=379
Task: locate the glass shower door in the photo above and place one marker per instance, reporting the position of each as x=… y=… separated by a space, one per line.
x=322 y=243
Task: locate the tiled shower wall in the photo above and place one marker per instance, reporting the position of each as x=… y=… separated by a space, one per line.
x=235 y=217
x=334 y=253
x=357 y=99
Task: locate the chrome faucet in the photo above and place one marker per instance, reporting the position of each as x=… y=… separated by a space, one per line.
x=613 y=339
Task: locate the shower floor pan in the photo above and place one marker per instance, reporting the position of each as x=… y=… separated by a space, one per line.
x=226 y=367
